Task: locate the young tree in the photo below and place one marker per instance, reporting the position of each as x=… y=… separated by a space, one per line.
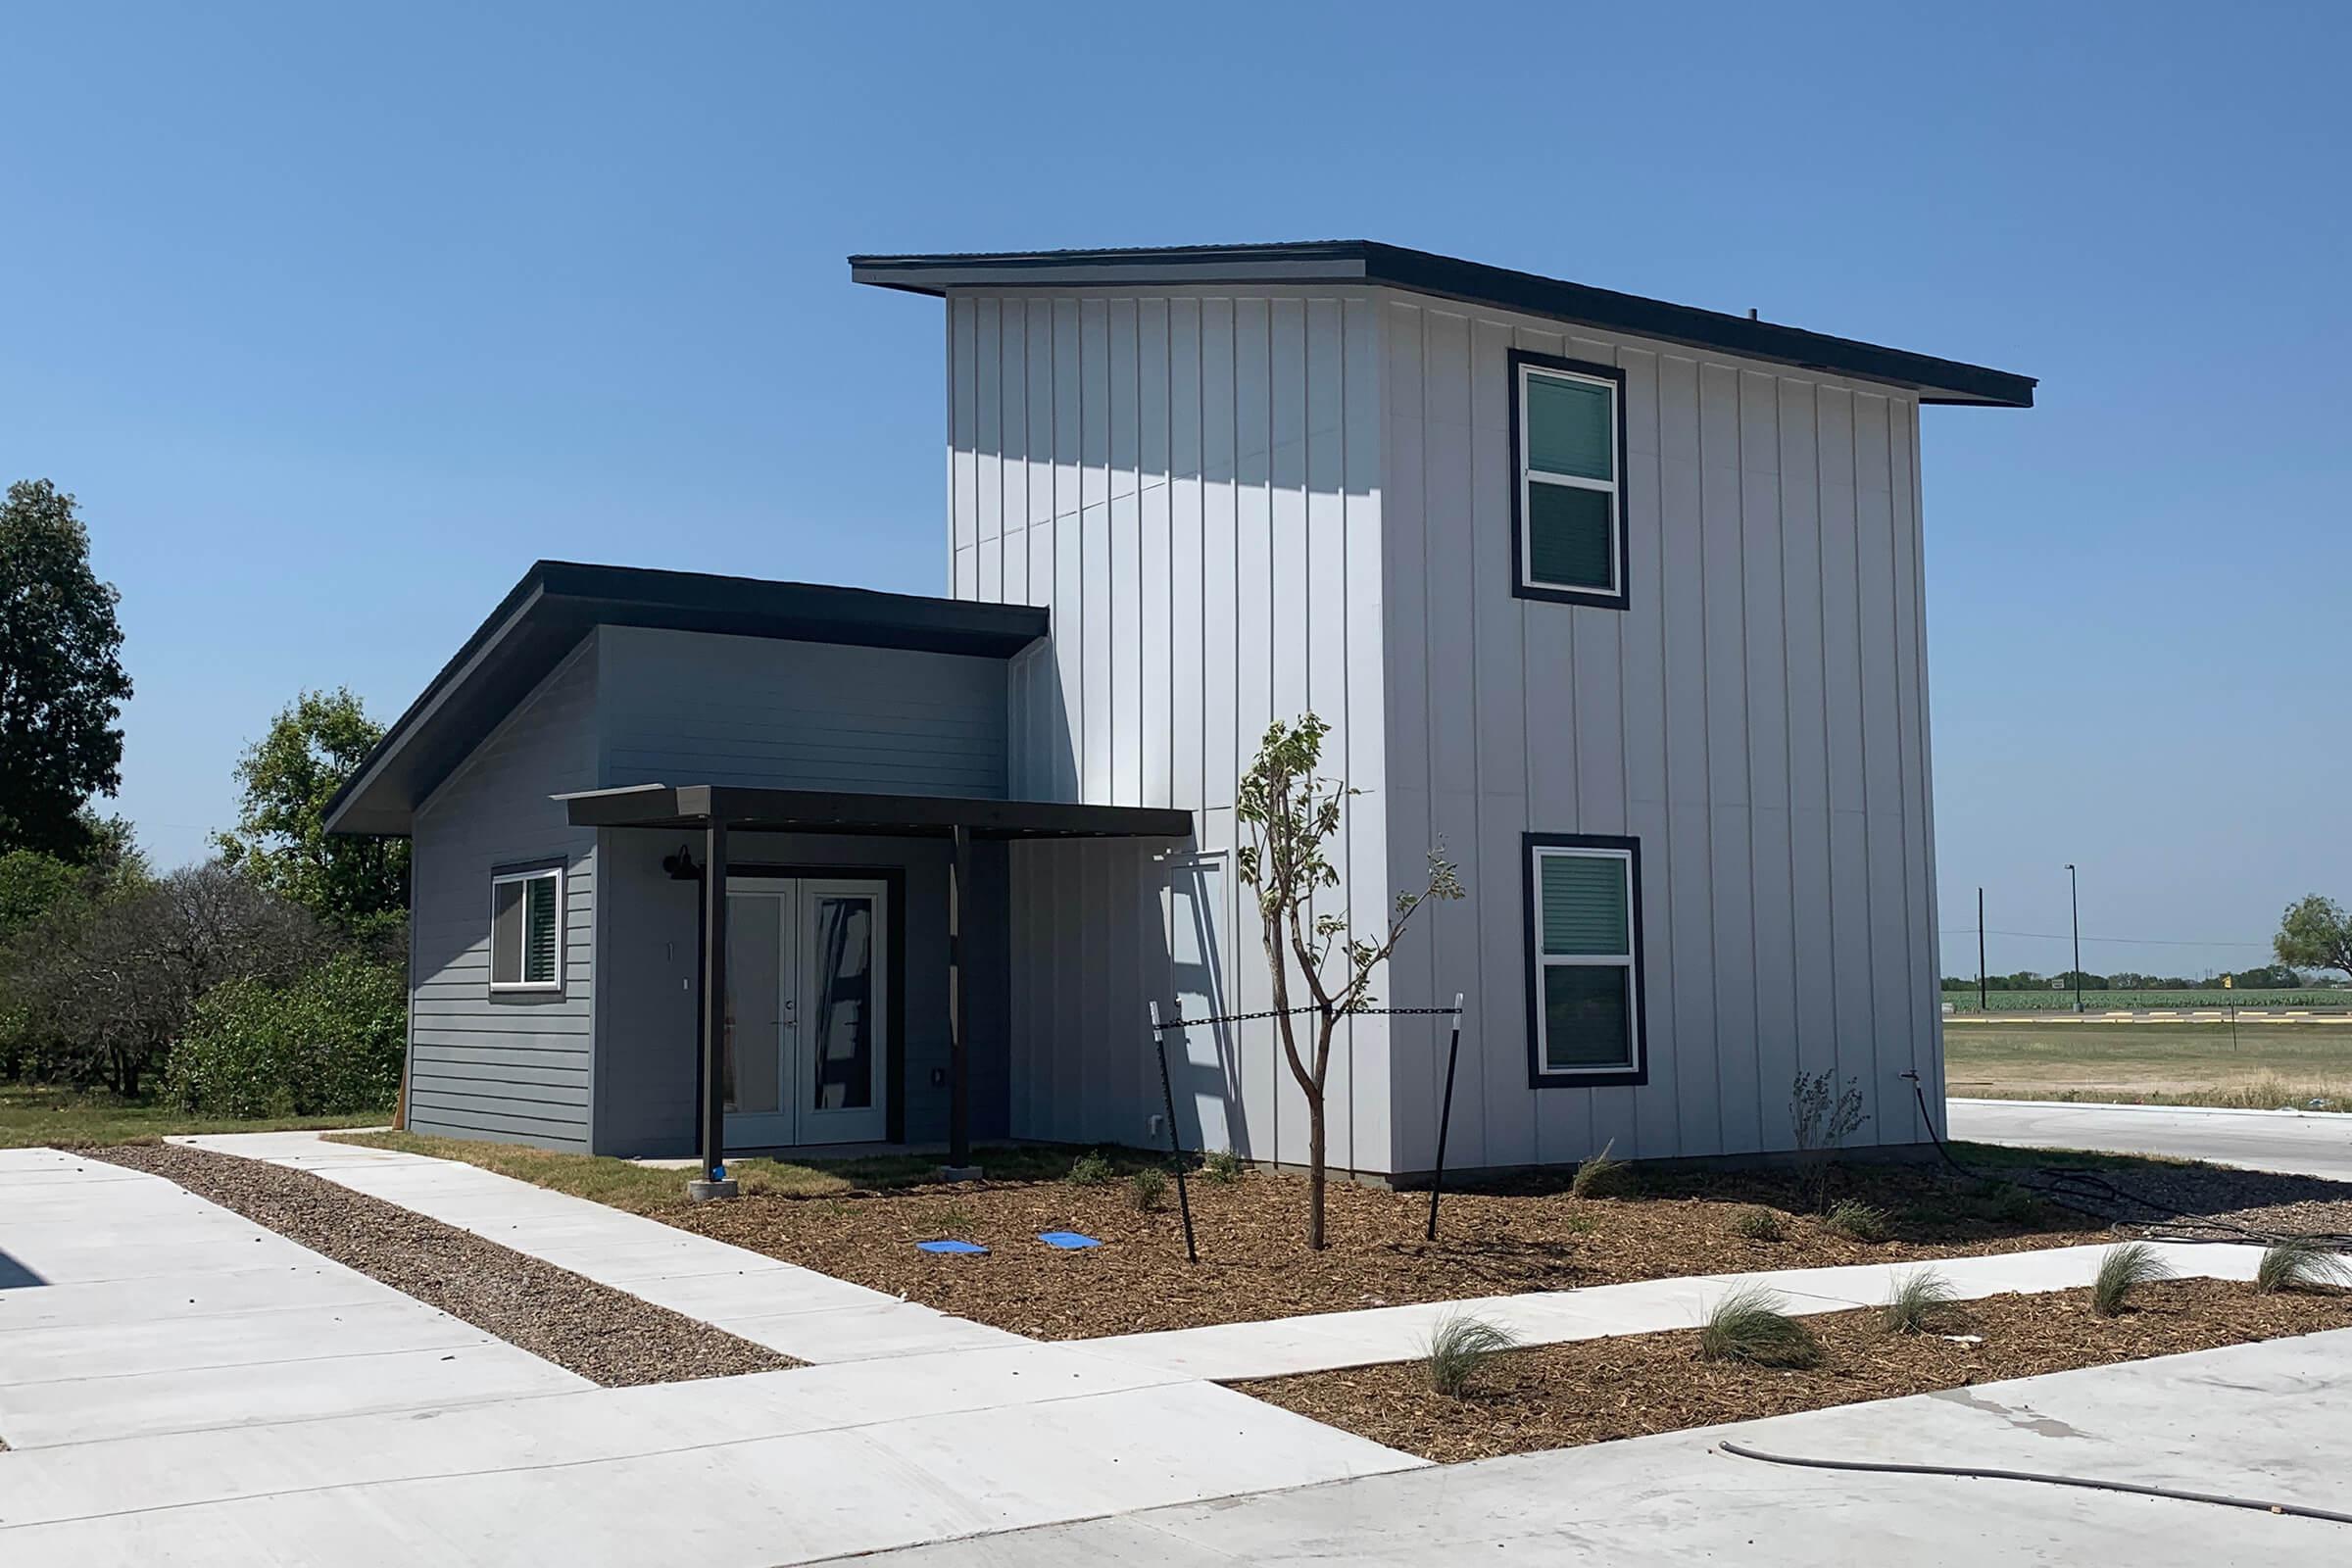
x=61 y=685
x=360 y=885
x=2315 y=933
x=1292 y=816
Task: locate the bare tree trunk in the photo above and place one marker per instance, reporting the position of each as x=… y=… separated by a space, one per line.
x=1314 y=1172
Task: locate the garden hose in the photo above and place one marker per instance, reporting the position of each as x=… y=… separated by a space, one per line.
x=2089 y=1186
x=2092 y=1482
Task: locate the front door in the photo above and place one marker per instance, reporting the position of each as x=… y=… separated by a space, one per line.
x=804 y=1058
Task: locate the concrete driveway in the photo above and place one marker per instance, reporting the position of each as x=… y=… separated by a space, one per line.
x=2258 y=1420
x=2295 y=1142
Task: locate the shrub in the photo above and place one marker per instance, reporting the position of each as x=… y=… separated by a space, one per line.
x=1458 y=1348
x=1748 y=1325
x=2122 y=1271
x=1090 y=1169
x=1862 y=1221
x=1918 y=1297
x=1147 y=1188
x=327 y=1042
x=1759 y=1224
x=1224 y=1167
x=1600 y=1176
x=2300 y=1263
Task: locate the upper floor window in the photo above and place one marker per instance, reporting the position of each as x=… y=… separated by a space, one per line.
x=526 y=930
x=1568 y=436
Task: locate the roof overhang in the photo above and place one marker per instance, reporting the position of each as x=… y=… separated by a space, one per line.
x=1369 y=263
x=559 y=601
x=699 y=806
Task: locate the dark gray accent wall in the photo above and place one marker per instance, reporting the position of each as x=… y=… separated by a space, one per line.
x=509 y=1066
x=694 y=708
x=646 y=1080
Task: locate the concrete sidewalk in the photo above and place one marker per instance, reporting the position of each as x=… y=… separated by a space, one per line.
x=129 y=1305
x=777 y=1467
x=2316 y=1143
x=1329 y=1341
x=805 y=1314
x=2256 y=1420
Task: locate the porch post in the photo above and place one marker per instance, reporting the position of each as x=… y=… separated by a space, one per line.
x=712 y=1180
x=960 y=1020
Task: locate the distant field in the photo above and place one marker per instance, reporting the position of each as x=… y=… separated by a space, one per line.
x=2135 y=1001
x=2265 y=1064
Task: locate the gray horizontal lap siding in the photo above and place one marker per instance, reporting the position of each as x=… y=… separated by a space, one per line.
x=517 y=1066
x=691 y=707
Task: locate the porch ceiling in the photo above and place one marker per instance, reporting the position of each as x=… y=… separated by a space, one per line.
x=678 y=806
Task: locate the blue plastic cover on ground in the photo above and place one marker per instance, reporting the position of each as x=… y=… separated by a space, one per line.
x=950 y=1247
x=1067 y=1241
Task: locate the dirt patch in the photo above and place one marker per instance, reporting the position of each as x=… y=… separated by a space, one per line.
x=606 y=1335
x=1597 y=1390
x=1253 y=1264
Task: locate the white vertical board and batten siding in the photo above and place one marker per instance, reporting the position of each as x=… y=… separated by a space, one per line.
x=519 y=1067
x=1190 y=480
x=1756 y=719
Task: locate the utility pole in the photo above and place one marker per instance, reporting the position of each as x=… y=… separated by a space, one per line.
x=1979 y=950
x=2074 y=897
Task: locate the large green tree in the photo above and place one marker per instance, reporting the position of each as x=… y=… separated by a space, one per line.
x=360 y=885
x=2315 y=933
x=61 y=685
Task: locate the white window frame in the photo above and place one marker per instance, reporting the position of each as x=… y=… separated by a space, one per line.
x=1529 y=475
x=499 y=879
x=1630 y=960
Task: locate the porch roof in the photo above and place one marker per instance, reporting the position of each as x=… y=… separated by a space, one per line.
x=830 y=811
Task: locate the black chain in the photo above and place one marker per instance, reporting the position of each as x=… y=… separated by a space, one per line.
x=1180 y=1021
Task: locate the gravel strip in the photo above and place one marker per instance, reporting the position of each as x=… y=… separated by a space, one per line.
x=605 y=1335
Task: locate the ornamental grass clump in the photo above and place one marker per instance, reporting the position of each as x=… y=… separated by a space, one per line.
x=1919 y=1297
x=1759 y=1224
x=1748 y=1325
x=1600 y=1176
x=2122 y=1271
x=1863 y=1222
x=2300 y=1263
x=1458 y=1349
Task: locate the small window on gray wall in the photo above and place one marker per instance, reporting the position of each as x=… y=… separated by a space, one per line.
x=1568 y=433
x=1584 y=959
x=526 y=930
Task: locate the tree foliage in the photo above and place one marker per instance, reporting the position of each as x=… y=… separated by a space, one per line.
x=102 y=985
x=2315 y=933
x=1293 y=815
x=327 y=1043
x=62 y=684
x=360 y=885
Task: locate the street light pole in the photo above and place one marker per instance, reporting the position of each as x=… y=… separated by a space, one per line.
x=2074 y=898
x=1979 y=950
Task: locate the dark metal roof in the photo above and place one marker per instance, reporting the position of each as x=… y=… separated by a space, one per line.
x=1369 y=262
x=686 y=805
x=559 y=601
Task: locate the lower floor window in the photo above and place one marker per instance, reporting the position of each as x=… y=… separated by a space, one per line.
x=526 y=936
x=1585 y=958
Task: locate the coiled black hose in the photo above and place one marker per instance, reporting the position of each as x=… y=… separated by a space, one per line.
x=2094 y=1483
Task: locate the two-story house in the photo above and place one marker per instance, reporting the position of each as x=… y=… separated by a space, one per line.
x=1621 y=602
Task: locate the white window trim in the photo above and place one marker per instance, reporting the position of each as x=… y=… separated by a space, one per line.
x=1529 y=476
x=1628 y=961
x=500 y=879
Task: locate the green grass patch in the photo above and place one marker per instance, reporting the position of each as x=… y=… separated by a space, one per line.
x=2063 y=1000
x=646 y=1189
x=40 y=1114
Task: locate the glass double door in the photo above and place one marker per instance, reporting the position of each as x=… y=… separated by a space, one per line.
x=808 y=969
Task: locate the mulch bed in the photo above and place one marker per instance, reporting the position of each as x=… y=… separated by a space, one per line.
x=1597 y=1391
x=605 y=1335
x=1253 y=1264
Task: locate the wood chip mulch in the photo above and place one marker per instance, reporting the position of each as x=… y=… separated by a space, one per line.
x=1253 y=1264
x=1597 y=1390
x=605 y=1335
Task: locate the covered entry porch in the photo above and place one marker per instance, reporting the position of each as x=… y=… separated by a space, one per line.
x=814 y=977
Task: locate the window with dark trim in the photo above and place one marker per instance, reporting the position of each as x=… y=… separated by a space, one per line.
x=1568 y=540
x=1585 y=1023
x=527 y=929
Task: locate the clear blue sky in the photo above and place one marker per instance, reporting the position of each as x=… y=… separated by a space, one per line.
x=334 y=322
